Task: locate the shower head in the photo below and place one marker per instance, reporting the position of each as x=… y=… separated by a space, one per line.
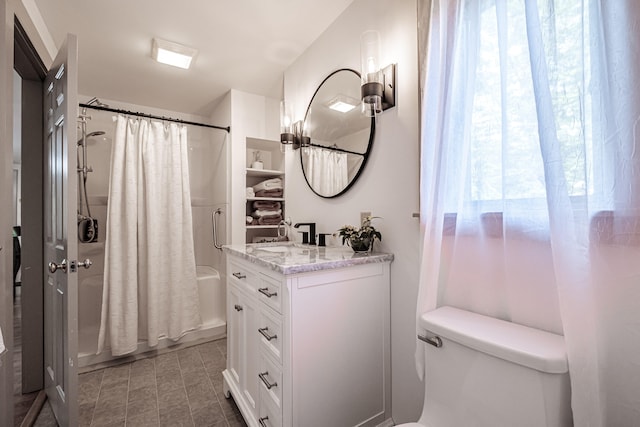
x=96 y=101
x=93 y=101
x=89 y=135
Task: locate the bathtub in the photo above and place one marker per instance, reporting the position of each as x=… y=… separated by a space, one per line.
x=212 y=298
x=211 y=291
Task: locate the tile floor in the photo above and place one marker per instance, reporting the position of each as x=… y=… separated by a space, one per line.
x=180 y=388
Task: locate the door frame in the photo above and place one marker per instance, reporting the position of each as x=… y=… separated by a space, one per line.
x=6 y=207
x=9 y=36
x=32 y=70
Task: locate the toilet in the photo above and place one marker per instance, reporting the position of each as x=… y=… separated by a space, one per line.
x=482 y=371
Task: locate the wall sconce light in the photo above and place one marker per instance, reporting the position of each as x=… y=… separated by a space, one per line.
x=293 y=135
x=377 y=85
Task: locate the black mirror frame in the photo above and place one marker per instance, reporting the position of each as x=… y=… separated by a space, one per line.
x=366 y=154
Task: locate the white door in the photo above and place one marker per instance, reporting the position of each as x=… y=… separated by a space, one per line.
x=60 y=244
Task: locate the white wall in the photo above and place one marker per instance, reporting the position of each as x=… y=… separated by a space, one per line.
x=389 y=186
x=221 y=116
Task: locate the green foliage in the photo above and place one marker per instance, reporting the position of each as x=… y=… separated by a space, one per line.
x=366 y=231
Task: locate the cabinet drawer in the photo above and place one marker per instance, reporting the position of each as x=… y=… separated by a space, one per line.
x=269 y=292
x=270 y=333
x=270 y=376
x=242 y=276
x=270 y=415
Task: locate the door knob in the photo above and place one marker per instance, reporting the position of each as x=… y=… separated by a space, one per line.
x=53 y=267
x=86 y=263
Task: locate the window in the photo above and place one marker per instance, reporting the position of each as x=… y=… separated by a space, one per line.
x=505 y=161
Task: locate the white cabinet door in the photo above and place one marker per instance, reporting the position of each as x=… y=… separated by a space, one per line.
x=251 y=354
x=340 y=347
x=242 y=345
x=235 y=335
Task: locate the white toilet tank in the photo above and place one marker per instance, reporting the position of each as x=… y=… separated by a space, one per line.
x=493 y=373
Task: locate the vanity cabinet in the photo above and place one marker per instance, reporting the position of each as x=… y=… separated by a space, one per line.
x=308 y=348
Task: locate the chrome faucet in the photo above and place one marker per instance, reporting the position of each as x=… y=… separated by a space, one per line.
x=312 y=231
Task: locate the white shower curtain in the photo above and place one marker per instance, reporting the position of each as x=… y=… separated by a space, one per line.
x=327 y=170
x=530 y=181
x=150 y=289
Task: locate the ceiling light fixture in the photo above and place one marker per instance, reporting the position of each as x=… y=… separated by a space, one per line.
x=171 y=53
x=343 y=103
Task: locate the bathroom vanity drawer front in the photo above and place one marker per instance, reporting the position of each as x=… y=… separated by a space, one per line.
x=270 y=378
x=270 y=333
x=270 y=415
x=243 y=276
x=269 y=292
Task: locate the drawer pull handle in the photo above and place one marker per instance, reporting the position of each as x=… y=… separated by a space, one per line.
x=263 y=421
x=240 y=275
x=238 y=307
x=435 y=341
x=263 y=377
x=265 y=334
x=265 y=291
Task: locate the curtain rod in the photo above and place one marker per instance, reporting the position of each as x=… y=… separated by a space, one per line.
x=335 y=148
x=151 y=116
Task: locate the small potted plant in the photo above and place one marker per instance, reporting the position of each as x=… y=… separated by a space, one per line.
x=360 y=239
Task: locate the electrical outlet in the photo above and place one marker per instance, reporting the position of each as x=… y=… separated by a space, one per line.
x=363 y=215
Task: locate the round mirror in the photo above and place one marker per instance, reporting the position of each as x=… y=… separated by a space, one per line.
x=340 y=135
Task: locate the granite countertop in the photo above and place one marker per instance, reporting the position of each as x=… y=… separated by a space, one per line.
x=292 y=258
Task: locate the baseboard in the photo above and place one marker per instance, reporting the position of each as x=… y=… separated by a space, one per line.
x=32 y=415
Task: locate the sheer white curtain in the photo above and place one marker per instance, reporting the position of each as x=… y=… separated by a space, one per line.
x=150 y=289
x=530 y=181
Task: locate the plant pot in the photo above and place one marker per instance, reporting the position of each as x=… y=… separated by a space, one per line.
x=360 y=245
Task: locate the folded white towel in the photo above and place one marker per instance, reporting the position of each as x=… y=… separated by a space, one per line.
x=269 y=184
x=249 y=219
x=250 y=192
